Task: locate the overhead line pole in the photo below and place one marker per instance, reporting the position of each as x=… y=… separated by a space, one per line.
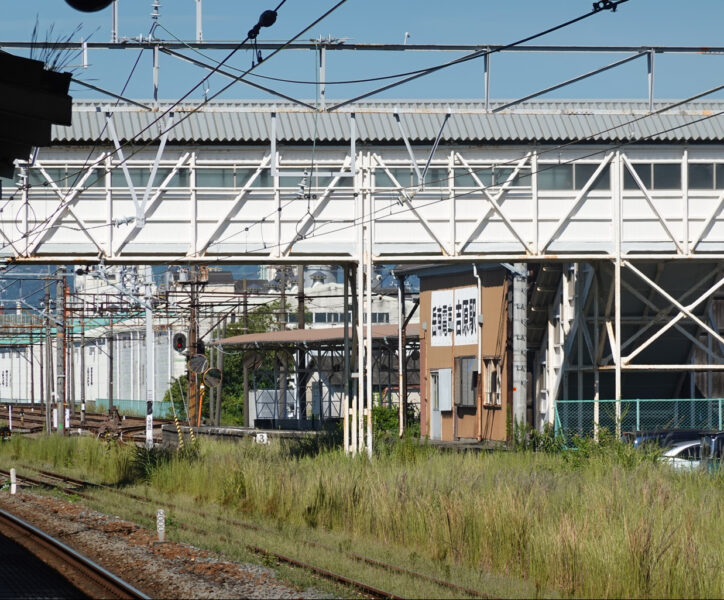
x=60 y=353
x=150 y=359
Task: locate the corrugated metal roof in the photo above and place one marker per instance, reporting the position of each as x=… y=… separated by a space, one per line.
x=311 y=336
x=248 y=122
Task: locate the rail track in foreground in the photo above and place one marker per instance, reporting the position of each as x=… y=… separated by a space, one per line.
x=89 y=577
x=73 y=486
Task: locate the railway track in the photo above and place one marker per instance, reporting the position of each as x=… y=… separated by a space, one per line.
x=89 y=577
x=32 y=420
x=74 y=486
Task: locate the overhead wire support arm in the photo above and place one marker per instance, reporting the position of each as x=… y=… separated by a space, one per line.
x=239 y=78
x=90 y=86
x=597 y=7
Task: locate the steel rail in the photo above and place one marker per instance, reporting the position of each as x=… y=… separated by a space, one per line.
x=358 y=557
x=80 y=564
x=336 y=577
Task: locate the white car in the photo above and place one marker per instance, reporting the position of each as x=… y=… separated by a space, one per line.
x=685 y=456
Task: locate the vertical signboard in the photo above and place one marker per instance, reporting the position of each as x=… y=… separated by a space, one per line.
x=441 y=318
x=466 y=316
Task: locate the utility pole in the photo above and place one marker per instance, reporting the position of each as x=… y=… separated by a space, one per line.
x=47 y=382
x=150 y=359
x=401 y=354
x=220 y=366
x=301 y=358
x=245 y=323
x=82 y=363
x=60 y=354
x=32 y=366
x=300 y=297
x=283 y=308
x=68 y=326
x=193 y=340
x=110 y=362
x=212 y=364
x=347 y=379
x=282 y=363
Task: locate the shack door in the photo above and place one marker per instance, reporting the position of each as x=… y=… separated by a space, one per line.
x=440 y=399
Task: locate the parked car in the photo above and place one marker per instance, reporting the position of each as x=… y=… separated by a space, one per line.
x=663 y=437
x=685 y=456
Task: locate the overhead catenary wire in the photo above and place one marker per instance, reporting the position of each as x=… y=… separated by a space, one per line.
x=62 y=205
x=167 y=110
x=412 y=75
x=597 y=7
x=422 y=71
x=187 y=114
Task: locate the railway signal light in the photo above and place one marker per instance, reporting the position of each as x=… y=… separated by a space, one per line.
x=179 y=342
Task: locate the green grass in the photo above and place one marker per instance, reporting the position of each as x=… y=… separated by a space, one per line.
x=603 y=521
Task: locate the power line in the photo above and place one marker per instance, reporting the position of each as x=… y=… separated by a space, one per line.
x=188 y=114
x=412 y=75
x=265 y=18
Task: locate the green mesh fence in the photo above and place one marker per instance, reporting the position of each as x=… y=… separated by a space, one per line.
x=577 y=416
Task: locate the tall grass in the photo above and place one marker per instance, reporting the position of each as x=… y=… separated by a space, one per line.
x=85 y=457
x=593 y=523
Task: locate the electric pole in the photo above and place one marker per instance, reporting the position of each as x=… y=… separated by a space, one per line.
x=301 y=358
x=60 y=353
x=110 y=361
x=150 y=362
x=82 y=363
x=48 y=364
x=194 y=415
x=245 y=368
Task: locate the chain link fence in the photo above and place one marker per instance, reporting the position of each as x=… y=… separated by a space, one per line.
x=577 y=416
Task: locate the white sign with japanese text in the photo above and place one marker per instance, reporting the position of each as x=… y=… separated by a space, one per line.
x=466 y=316
x=441 y=318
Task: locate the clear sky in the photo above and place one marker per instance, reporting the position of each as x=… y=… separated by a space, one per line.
x=635 y=23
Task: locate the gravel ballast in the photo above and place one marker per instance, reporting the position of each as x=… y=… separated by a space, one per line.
x=167 y=570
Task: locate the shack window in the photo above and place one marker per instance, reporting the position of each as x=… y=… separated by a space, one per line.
x=215 y=178
x=667 y=176
x=585 y=171
x=656 y=176
x=643 y=170
x=555 y=177
x=492 y=383
x=701 y=176
x=465 y=380
x=403 y=177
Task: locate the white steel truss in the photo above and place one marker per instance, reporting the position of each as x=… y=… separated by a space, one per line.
x=515 y=203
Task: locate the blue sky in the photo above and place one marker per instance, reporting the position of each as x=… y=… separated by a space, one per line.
x=636 y=23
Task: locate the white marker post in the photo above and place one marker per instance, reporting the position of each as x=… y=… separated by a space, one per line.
x=13 y=482
x=161 y=525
